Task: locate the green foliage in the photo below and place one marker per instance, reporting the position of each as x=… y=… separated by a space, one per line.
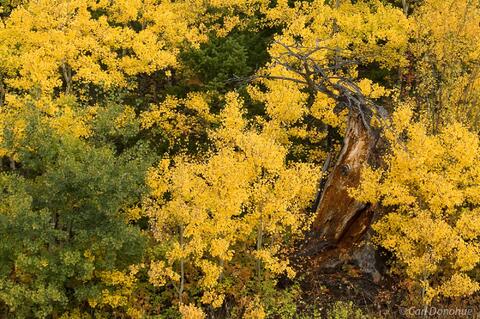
x=345 y=310
x=279 y=303
x=63 y=223
x=6 y=6
x=221 y=63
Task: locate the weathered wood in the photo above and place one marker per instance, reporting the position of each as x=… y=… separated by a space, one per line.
x=340 y=219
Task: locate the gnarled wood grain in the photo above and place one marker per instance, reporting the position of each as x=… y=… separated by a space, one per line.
x=340 y=219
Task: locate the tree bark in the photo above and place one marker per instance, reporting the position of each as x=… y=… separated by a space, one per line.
x=340 y=219
x=341 y=228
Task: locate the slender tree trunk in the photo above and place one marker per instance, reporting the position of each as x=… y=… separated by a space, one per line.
x=182 y=268
x=259 y=247
x=2 y=92
x=405 y=7
x=67 y=75
x=12 y=164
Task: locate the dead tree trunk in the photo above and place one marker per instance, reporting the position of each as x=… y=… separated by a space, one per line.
x=341 y=226
x=340 y=220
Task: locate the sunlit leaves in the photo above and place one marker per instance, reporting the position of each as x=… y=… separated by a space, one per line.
x=430 y=188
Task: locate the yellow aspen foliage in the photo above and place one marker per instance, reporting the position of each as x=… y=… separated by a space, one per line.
x=75 y=314
x=174 y=120
x=16 y=134
x=365 y=32
x=49 y=45
x=119 y=291
x=323 y=109
x=63 y=43
x=127 y=116
x=71 y=123
x=62 y=115
x=430 y=188
x=191 y=312
x=372 y=90
x=232 y=207
x=284 y=100
x=446 y=54
x=254 y=310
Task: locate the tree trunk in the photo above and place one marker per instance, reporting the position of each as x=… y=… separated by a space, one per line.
x=340 y=219
x=341 y=222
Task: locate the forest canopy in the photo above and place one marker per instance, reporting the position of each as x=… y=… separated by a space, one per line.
x=216 y=158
